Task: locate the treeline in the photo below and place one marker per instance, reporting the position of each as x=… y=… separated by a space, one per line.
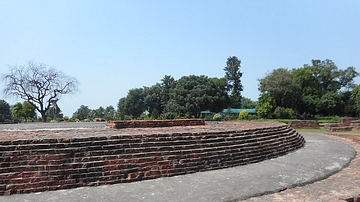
x=317 y=89
x=185 y=97
x=25 y=112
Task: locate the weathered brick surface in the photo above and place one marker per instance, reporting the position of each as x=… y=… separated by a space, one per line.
x=304 y=124
x=154 y=123
x=31 y=165
x=346 y=121
x=344 y=124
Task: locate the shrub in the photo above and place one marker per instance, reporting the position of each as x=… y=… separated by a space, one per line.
x=217 y=117
x=243 y=114
x=282 y=113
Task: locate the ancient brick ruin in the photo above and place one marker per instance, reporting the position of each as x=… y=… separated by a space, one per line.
x=344 y=124
x=117 y=156
x=310 y=124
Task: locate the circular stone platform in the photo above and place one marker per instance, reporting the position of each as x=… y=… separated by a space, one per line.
x=69 y=155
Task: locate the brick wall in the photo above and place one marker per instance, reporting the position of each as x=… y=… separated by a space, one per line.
x=155 y=123
x=304 y=124
x=62 y=163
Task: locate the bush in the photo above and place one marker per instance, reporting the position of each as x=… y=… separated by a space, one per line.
x=217 y=117
x=169 y=115
x=282 y=113
x=243 y=114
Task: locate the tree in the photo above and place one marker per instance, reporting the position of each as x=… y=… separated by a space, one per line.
x=121 y=110
x=110 y=113
x=280 y=86
x=324 y=88
x=355 y=100
x=167 y=83
x=233 y=77
x=331 y=78
x=153 y=101
x=98 y=113
x=82 y=113
x=134 y=104
x=39 y=85
x=23 y=111
x=222 y=99
x=247 y=103
x=54 y=110
x=17 y=111
x=192 y=94
x=5 y=112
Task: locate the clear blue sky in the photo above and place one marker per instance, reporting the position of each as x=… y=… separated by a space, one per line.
x=113 y=46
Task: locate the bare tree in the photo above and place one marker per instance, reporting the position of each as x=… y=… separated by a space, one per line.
x=39 y=85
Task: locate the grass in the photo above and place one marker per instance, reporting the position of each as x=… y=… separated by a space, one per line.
x=323 y=130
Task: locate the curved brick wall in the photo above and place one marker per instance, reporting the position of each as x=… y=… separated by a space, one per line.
x=155 y=123
x=34 y=165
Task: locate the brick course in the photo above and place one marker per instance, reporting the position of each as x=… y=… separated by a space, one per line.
x=154 y=123
x=32 y=165
x=312 y=124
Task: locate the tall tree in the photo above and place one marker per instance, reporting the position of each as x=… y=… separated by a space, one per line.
x=233 y=77
x=121 y=108
x=5 y=112
x=167 y=83
x=135 y=104
x=39 y=85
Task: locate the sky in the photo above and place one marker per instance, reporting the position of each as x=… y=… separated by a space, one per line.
x=113 y=46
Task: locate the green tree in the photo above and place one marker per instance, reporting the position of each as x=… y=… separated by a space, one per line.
x=192 y=94
x=233 y=77
x=28 y=110
x=222 y=100
x=82 y=113
x=5 y=112
x=98 y=113
x=135 y=104
x=17 y=111
x=320 y=88
x=39 y=85
x=324 y=88
x=24 y=111
x=121 y=108
x=248 y=103
x=280 y=87
x=110 y=113
x=331 y=78
x=166 y=85
x=355 y=100
x=153 y=101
